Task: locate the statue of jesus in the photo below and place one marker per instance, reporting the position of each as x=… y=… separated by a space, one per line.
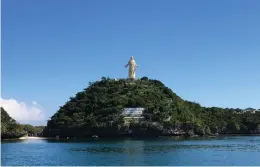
x=132 y=67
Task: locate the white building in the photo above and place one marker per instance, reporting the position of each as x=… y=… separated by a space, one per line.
x=133 y=112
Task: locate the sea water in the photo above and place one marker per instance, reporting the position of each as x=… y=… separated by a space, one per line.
x=225 y=150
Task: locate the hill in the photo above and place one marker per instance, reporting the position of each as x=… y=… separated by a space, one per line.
x=9 y=127
x=98 y=110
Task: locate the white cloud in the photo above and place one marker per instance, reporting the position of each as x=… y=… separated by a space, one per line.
x=21 y=111
x=34 y=102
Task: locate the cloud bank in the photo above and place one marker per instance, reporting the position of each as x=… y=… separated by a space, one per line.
x=21 y=111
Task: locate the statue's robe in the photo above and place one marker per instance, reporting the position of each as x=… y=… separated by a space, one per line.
x=132 y=66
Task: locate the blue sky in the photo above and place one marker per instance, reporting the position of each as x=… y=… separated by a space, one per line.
x=205 y=51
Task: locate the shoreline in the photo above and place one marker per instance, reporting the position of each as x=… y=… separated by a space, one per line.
x=33 y=138
x=29 y=138
x=117 y=137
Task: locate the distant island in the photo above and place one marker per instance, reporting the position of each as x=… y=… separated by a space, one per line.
x=101 y=110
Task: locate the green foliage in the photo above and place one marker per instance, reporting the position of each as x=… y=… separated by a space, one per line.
x=32 y=130
x=97 y=110
x=9 y=127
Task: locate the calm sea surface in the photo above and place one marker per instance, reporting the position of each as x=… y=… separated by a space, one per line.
x=235 y=150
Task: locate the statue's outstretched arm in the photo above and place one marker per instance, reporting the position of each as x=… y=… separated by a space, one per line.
x=127 y=65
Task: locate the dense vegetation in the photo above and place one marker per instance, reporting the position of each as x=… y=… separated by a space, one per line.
x=97 y=110
x=9 y=127
x=33 y=130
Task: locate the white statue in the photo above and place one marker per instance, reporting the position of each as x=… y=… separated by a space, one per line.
x=132 y=67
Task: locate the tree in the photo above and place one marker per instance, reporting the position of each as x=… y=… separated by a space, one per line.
x=9 y=127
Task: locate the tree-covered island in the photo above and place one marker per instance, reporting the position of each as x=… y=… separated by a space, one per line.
x=97 y=110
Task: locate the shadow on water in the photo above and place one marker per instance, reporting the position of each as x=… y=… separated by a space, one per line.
x=167 y=148
x=156 y=139
x=165 y=144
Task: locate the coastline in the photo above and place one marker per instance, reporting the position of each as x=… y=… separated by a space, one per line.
x=117 y=137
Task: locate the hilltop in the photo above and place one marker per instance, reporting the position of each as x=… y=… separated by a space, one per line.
x=97 y=110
